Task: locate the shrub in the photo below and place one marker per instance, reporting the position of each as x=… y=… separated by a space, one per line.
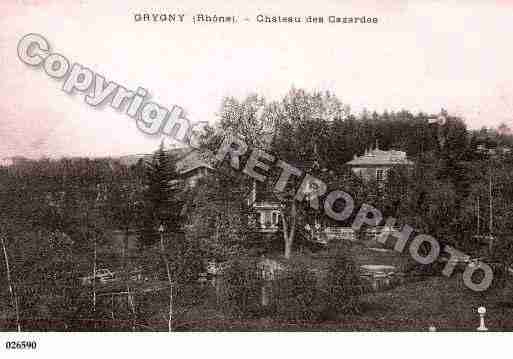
x=241 y=289
x=296 y=295
x=342 y=287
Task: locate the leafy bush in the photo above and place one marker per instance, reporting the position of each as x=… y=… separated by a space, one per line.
x=296 y=295
x=342 y=287
x=241 y=289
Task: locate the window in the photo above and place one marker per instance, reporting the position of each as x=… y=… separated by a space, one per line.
x=380 y=174
x=259 y=218
x=275 y=218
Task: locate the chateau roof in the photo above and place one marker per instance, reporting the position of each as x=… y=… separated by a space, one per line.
x=187 y=159
x=379 y=157
x=192 y=160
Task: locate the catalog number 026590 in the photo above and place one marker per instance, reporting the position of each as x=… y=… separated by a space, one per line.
x=20 y=345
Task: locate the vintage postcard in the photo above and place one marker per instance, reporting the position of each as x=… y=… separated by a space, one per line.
x=174 y=167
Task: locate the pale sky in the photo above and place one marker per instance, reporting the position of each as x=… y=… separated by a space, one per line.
x=421 y=56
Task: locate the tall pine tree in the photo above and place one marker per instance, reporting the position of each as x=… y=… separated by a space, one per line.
x=161 y=198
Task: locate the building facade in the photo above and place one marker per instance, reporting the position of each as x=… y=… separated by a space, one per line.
x=376 y=164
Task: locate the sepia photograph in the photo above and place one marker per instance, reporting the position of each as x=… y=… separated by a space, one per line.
x=173 y=169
